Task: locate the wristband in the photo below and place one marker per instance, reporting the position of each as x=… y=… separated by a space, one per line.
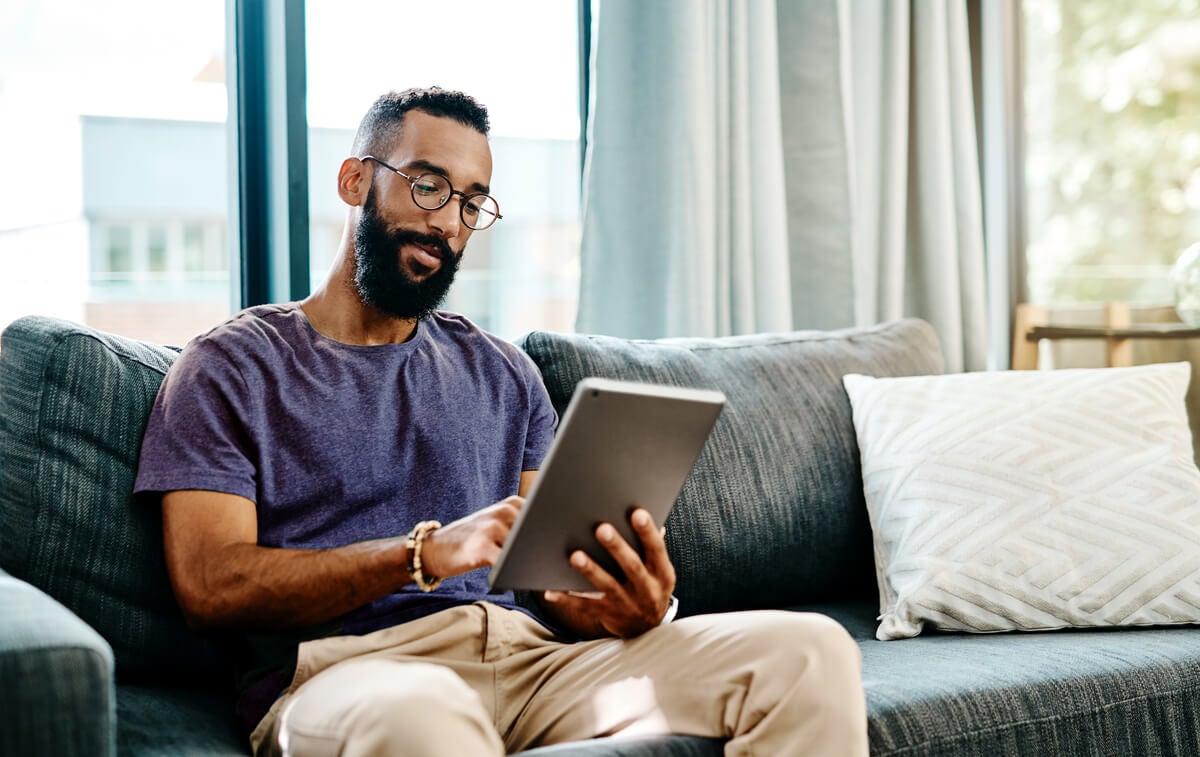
x=416 y=538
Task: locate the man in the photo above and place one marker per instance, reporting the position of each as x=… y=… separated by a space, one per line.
x=295 y=445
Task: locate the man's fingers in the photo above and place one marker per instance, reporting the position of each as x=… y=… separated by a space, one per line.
x=587 y=594
x=489 y=554
x=572 y=602
x=657 y=561
x=584 y=596
x=515 y=500
x=643 y=526
x=625 y=555
x=597 y=576
x=508 y=509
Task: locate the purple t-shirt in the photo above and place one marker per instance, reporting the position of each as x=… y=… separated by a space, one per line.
x=339 y=443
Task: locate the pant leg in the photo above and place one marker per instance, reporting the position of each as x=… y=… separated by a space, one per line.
x=375 y=706
x=772 y=682
x=421 y=688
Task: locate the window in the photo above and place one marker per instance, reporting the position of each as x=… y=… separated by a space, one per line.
x=129 y=233
x=1112 y=104
x=521 y=60
x=195 y=253
x=118 y=251
x=154 y=252
x=113 y=195
x=156 y=249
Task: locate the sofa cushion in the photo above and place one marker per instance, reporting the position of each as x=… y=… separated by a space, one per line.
x=73 y=408
x=1031 y=499
x=773 y=512
x=1074 y=692
x=170 y=720
x=56 y=678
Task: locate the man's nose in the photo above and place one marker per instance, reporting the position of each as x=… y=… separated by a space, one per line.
x=446 y=221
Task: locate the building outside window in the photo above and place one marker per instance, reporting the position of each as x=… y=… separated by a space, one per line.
x=102 y=126
x=129 y=232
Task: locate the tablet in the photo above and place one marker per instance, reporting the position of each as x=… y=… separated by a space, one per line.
x=620 y=445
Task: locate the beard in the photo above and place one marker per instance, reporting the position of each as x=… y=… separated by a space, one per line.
x=380 y=276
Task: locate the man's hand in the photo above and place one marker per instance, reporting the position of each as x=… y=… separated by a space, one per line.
x=471 y=542
x=619 y=608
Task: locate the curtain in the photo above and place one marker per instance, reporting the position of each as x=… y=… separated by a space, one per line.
x=761 y=166
x=917 y=232
x=684 y=220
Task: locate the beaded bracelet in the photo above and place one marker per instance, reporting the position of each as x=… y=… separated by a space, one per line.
x=416 y=538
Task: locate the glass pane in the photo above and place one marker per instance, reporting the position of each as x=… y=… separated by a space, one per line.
x=1112 y=100
x=519 y=58
x=113 y=145
x=119 y=257
x=194 y=257
x=156 y=249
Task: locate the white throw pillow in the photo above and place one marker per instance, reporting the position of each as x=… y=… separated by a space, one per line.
x=1031 y=500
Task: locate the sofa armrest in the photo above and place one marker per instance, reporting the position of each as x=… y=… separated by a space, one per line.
x=57 y=693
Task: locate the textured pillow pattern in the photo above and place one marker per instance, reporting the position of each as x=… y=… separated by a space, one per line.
x=73 y=407
x=772 y=513
x=1031 y=500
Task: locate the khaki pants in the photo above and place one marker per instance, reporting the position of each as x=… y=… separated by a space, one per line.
x=483 y=680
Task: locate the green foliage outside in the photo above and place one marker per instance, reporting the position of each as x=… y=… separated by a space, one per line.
x=1113 y=146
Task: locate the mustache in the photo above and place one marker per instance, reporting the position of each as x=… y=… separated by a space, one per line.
x=400 y=237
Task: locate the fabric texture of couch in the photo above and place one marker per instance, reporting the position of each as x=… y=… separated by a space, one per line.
x=95 y=658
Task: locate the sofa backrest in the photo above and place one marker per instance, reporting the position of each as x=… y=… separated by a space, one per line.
x=773 y=513
x=73 y=407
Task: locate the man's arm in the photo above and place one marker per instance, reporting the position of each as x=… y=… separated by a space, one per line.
x=625 y=609
x=224 y=579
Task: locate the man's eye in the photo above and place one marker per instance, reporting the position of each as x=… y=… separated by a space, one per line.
x=471 y=209
x=426 y=188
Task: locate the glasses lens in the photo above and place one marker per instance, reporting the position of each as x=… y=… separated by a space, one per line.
x=431 y=191
x=480 y=211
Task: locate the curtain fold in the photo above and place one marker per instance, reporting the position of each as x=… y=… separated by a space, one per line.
x=945 y=226
x=818 y=163
x=762 y=166
x=684 y=222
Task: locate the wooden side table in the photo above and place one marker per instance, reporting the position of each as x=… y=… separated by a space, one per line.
x=1117 y=331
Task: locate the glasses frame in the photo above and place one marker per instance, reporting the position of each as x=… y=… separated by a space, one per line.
x=462 y=203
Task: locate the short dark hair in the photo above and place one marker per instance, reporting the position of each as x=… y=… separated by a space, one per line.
x=380 y=127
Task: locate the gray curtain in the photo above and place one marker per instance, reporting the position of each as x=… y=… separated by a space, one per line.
x=917 y=230
x=684 y=221
x=757 y=165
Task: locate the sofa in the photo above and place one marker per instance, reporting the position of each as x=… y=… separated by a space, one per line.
x=95 y=657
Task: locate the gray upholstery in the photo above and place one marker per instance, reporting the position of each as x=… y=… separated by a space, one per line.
x=176 y=720
x=1115 y=692
x=781 y=469
x=55 y=678
x=772 y=516
x=73 y=407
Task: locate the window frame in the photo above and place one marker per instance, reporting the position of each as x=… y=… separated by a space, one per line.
x=267 y=131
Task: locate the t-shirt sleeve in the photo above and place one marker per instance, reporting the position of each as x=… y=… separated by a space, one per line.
x=197 y=435
x=542 y=420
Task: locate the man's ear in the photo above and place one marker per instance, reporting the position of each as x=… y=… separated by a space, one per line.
x=354 y=181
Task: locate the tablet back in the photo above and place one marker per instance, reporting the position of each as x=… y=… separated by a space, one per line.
x=620 y=445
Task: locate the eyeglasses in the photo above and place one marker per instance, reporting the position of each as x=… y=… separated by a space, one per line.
x=431 y=191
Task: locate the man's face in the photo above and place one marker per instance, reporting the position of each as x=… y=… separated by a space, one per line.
x=405 y=256
x=380 y=275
